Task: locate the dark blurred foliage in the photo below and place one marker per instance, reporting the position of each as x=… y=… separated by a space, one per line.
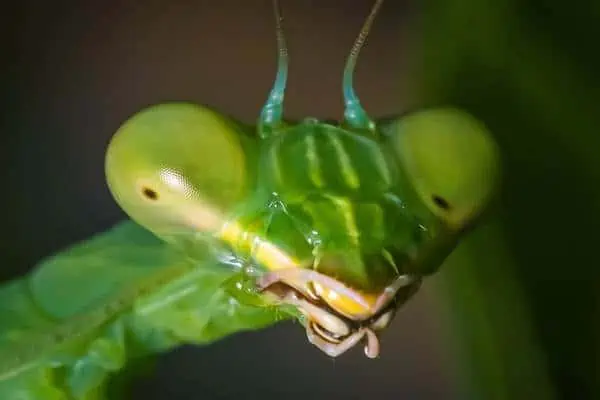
x=514 y=313
x=530 y=70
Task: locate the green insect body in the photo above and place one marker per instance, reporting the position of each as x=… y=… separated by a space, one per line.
x=333 y=224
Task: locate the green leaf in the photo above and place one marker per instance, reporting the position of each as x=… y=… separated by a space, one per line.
x=120 y=295
x=83 y=275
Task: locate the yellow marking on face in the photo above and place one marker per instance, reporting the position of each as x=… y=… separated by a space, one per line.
x=344 y=206
x=381 y=165
x=275 y=164
x=273 y=258
x=230 y=233
x=263 y=251
x=201 y=216
x=348 y=172
x=347 y=305
x=314 y=167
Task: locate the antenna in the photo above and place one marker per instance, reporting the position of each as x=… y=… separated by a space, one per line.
x=271 y=113
x=354 y=113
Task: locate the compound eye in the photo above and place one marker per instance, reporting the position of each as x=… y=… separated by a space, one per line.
x=450 y=159
x=172 y=160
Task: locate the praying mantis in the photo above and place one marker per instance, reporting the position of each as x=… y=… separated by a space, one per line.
x=235 y=227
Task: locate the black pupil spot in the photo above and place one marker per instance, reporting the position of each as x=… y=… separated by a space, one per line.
x=150 y=194
x=440 y=202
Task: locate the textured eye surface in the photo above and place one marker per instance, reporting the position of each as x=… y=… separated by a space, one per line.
x=176 y=166
x=450 y=159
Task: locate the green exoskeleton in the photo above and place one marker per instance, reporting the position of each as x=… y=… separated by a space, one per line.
x=333 y=223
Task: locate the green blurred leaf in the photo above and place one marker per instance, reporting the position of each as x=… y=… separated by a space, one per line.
x=120 y=295
x=529 y=70
x=84 y=274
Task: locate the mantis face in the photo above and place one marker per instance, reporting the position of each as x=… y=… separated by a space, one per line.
x=406 y=195
x=342 y=220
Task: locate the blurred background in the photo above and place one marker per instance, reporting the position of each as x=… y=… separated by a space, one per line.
x=515 y=311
